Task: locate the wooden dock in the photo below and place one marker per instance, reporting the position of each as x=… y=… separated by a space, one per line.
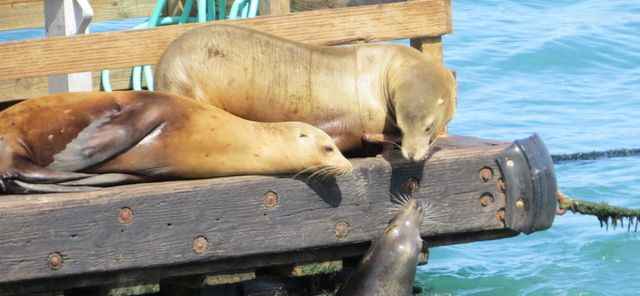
x=250 y=234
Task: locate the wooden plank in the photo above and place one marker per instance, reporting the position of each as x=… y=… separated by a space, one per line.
x=274 y=7
x=306 y=5
x=432 y=45
x=133 y=277
x=24 y=88
x=24 y=14
x=59 y=55
x=229 y=213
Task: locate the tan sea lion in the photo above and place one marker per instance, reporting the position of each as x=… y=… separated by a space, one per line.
x=347 y=91
x=389 y=266
x=78 y=139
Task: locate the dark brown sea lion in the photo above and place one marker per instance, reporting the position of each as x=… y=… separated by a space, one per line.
x=346 y=91
x=389 y=266
x=77 y=139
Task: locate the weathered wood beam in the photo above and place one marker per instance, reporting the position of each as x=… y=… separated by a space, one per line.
x=24 y=88
x=306 y=5
x=60 y=55
x=24 y=14
x=182 y=222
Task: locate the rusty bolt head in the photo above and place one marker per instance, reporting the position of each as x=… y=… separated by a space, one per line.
x=486 y=199
x=520 y=204
x=486 y=174
x=411 y=186
x=200 y=244
x=501 y=186
x=270 y=199
x=342 y=229
x=125 y=215
x=501 y=215
x=55 y=261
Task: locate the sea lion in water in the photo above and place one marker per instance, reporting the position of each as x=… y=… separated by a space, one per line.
x=389 y=266
x=66 y=139
x=347 y=91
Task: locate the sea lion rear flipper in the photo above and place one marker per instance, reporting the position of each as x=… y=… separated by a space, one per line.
x=102 y=139
x=108 y=179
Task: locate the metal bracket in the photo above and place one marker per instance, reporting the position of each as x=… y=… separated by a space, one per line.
x=530 y=183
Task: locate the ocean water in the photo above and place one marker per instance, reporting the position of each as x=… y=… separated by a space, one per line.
x=570 y=71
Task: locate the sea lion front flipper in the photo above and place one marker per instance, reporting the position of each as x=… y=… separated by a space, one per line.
x=106 y=137
x=25 y=187
x=108 y=179
x=381 y=138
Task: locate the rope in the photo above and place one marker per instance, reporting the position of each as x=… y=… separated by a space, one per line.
x=595 y=155
x=603 y=211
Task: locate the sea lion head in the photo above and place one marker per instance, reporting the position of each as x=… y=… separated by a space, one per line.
x=316 y=151
x=404 y=228
x=424 y=103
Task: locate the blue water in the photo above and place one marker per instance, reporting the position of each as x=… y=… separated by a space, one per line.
x=569 y=70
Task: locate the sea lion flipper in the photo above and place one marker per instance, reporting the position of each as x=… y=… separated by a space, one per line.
x=381 y=138
x=102 y=139
x=50 y=188
x=107 y=180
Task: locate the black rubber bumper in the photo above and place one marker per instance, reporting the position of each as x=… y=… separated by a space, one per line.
x=531 y=185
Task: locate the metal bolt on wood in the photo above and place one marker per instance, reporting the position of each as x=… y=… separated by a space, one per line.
x=486 y=174
x=501 y=215
x=125 y=215
x=509 y=163
x=342 y=229
x=411 y=186
x=486 y=199
x=270 y=199
x=200 y=244
x=520 y=204
x=501 y=186
x=55 y=261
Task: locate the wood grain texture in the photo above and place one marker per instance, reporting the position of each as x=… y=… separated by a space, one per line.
x=306 y=5
x=24 y=14
x=230 y=214
x=60 y=55
x=24 y=88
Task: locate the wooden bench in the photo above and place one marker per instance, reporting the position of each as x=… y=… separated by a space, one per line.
x=175 y=236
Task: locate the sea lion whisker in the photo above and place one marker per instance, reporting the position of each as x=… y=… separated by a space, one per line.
x=394 y=144
x=433 y=222
x=397 y=199
x=319 y=173
x=306 y=170
x=406 y=198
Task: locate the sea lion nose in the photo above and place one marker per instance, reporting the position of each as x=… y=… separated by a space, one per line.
x=411 y=154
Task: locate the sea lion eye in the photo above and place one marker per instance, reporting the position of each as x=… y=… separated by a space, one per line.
x=327 y=149
x=428 y=129
x=303 y=136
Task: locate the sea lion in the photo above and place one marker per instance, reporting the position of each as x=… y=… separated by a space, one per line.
x=79 y=139
x=347 y=91
x=389 y=266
